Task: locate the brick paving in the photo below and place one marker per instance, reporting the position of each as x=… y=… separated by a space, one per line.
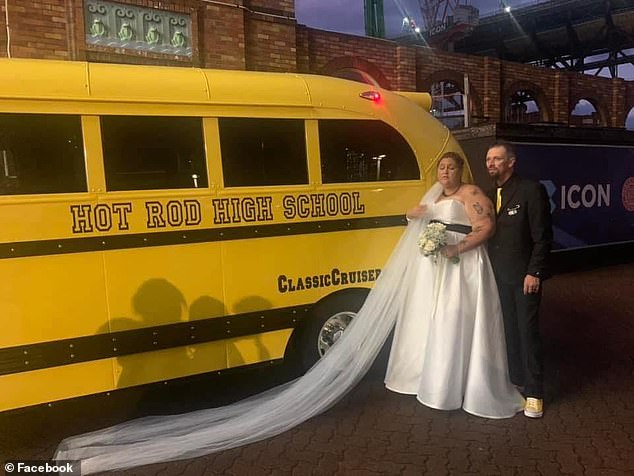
x=587 y=429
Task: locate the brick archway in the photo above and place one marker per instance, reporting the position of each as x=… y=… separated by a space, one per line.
x=356 y=63
x=545 y=109
x=592 y=99
x=456 y=78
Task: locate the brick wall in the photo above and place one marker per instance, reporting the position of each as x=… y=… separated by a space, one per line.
x=270 y=43
x=281 y=7
x=405 y=69
x=490 y=87
x=540 y=82
x=38 y=29
x=221 y=37
x=433 y=66
x=3 y=33
x=329 y=52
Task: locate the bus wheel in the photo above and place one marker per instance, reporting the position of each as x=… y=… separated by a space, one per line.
x=329 y=319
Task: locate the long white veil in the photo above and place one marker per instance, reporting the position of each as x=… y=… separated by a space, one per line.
x=167 y=438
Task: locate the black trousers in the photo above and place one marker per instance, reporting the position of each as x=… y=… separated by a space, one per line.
x=523 y=341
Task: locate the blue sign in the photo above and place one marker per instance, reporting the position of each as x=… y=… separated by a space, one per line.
x=591 y=190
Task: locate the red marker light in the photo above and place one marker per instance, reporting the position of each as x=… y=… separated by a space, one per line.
x=371 y=95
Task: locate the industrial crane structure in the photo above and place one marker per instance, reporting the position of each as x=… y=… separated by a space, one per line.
x=447 y=21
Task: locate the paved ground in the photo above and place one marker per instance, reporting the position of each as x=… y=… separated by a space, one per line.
x=588 y=428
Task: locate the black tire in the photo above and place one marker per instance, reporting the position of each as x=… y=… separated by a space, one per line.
x=337 y=307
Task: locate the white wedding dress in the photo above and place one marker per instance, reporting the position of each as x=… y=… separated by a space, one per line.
x=449 y=347
x=487 y=390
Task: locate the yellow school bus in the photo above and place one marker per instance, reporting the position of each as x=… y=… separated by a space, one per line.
x=159 y=223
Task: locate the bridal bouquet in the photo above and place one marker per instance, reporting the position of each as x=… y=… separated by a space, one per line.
x=432 y=238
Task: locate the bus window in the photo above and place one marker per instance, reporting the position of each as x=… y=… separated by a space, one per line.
x=259 y=152
x=364 y=151
x=149 y=153
x=41 y=153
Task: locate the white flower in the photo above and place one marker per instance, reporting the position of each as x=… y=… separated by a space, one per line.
x=432 y=239
x=429 y=247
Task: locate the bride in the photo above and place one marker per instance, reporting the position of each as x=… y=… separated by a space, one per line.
x=448 y=348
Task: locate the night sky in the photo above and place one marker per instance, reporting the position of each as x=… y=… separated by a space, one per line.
x=347 y=15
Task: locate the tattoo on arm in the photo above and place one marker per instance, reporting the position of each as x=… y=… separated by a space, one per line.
x=478 y=208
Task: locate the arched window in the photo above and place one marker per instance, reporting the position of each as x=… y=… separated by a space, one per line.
x=522 y=108
x=448 y=103
x=354 y=74
x=585 y=114
x=629 y=120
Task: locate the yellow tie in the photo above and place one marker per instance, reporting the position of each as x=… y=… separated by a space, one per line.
x=498 y=201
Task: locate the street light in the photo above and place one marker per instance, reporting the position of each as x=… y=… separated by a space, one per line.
x=378 y=159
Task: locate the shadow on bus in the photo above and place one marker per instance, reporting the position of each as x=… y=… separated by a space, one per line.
x=157 y=303
x=253 y=348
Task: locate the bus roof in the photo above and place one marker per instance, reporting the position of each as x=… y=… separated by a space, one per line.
x=77 y=81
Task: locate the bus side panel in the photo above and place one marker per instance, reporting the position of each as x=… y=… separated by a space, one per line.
x=159 y=286
x=359 y=256
x=256 y=273
x=167 y=364
x=57 y=383
x=47 y=298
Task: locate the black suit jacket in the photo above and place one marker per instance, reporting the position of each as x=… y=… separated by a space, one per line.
x=523 y=234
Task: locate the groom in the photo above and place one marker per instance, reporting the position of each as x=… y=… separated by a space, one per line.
x=519 y=253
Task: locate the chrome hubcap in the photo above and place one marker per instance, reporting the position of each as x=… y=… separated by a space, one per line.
x=332 y=330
